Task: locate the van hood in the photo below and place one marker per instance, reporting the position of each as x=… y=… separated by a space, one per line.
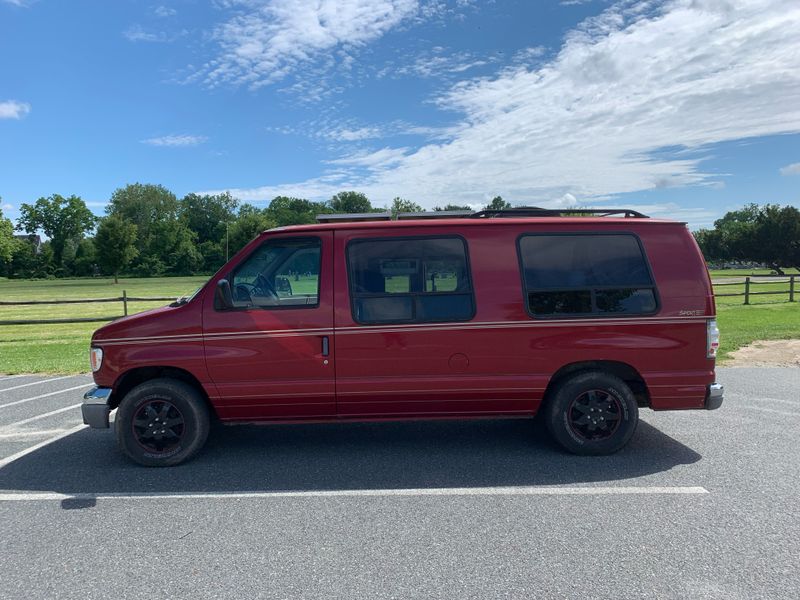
x=156 y=322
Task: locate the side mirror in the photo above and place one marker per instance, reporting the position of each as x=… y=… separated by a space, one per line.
x=283 y=285
x=223 y=298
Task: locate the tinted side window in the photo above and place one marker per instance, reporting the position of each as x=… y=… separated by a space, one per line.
x=586 y=275
x=279 y=274
x=410 y=280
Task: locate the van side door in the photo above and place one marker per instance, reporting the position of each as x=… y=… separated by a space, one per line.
x=270 y=356
x=406 y=335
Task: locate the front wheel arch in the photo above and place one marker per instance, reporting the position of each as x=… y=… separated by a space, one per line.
x=134 y=377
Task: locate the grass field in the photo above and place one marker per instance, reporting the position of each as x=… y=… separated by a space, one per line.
x=63 y=348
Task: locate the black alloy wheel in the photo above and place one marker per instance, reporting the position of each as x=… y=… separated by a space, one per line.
x=162 y=422
x=591 y=413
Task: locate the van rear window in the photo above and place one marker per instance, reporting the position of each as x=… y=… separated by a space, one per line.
x=586 y=275
x=410 y=280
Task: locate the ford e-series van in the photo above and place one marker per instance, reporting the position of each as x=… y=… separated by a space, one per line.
x=584 y=318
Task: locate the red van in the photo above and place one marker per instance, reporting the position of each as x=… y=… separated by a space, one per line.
x=584 y=318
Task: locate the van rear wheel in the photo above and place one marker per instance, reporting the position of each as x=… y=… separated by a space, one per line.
x=161 y=423
x=592 y=413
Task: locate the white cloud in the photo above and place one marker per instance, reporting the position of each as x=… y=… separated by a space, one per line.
x=164 y=11
x=353 y=135
x=380 y=159
x=21 y=3
x=176 y=140
x=136 y=33
x=11 y=109
x=792 y=169
x=269 y=39
x=351 y=131
x=595 y=120
x=439 y=64
x=7 y=207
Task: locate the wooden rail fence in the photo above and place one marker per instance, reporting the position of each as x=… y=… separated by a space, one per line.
x=124 y=299
x=754 y=280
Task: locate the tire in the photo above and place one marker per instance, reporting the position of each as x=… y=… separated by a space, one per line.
x=161 y=423
x=592 y=413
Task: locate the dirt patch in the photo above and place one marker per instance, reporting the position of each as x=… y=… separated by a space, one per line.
x=776 y=353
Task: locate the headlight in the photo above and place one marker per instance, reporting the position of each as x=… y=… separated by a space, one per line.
x=96 y=358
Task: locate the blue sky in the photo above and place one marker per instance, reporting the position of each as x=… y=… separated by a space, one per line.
x=684 y=108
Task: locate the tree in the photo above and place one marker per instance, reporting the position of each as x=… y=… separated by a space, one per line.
x=248 y=224
x=350 y=202
x=452 y=207
x=174 y=246
x=85 y=261
x=399 y=205
x=143 y=205
x=63 y=220
x=284 y=210
x=208 y=216
x=768 y=234
x=165 y=242
x=116 y=239
x=498 y=203
x=6 y=239
x=31 y=261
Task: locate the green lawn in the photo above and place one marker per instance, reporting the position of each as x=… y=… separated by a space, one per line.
x=63 y=348
x=741 y=325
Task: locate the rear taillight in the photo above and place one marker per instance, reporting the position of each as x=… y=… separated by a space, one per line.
x=712 y=338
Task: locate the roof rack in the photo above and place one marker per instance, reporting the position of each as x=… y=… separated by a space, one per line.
x=346 y=217
x=436 y=214
x=535 y=211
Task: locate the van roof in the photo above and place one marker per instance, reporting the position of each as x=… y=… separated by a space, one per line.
x=600 y=222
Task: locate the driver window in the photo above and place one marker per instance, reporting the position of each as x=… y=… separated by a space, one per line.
x=279 y=274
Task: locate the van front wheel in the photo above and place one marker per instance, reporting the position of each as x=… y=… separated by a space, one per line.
x=161 y=423
x=592 y=413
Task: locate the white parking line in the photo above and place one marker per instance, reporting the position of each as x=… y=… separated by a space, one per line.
x=487 y=491
x=37 y=417
x=772 y=410
x=16 y=387
x=72 y=389
x=9 y=459
x=24 y=435
x=778 y=400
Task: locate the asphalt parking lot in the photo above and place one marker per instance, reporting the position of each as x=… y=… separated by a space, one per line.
x=699 y=505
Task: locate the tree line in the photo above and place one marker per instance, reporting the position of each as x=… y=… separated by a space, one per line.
x=768 y=235
x=148 y=231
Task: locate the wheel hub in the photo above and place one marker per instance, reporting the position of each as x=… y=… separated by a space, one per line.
x=158 y=426
x=595 y=415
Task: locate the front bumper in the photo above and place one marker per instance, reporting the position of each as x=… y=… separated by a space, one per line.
x=714 y=396
x=95 y=408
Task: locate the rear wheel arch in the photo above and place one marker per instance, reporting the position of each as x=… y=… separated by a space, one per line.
x=134 y=377
x=627 y=373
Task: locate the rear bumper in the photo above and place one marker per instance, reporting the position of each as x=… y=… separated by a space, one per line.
x=95 y=408
x=714 y=396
